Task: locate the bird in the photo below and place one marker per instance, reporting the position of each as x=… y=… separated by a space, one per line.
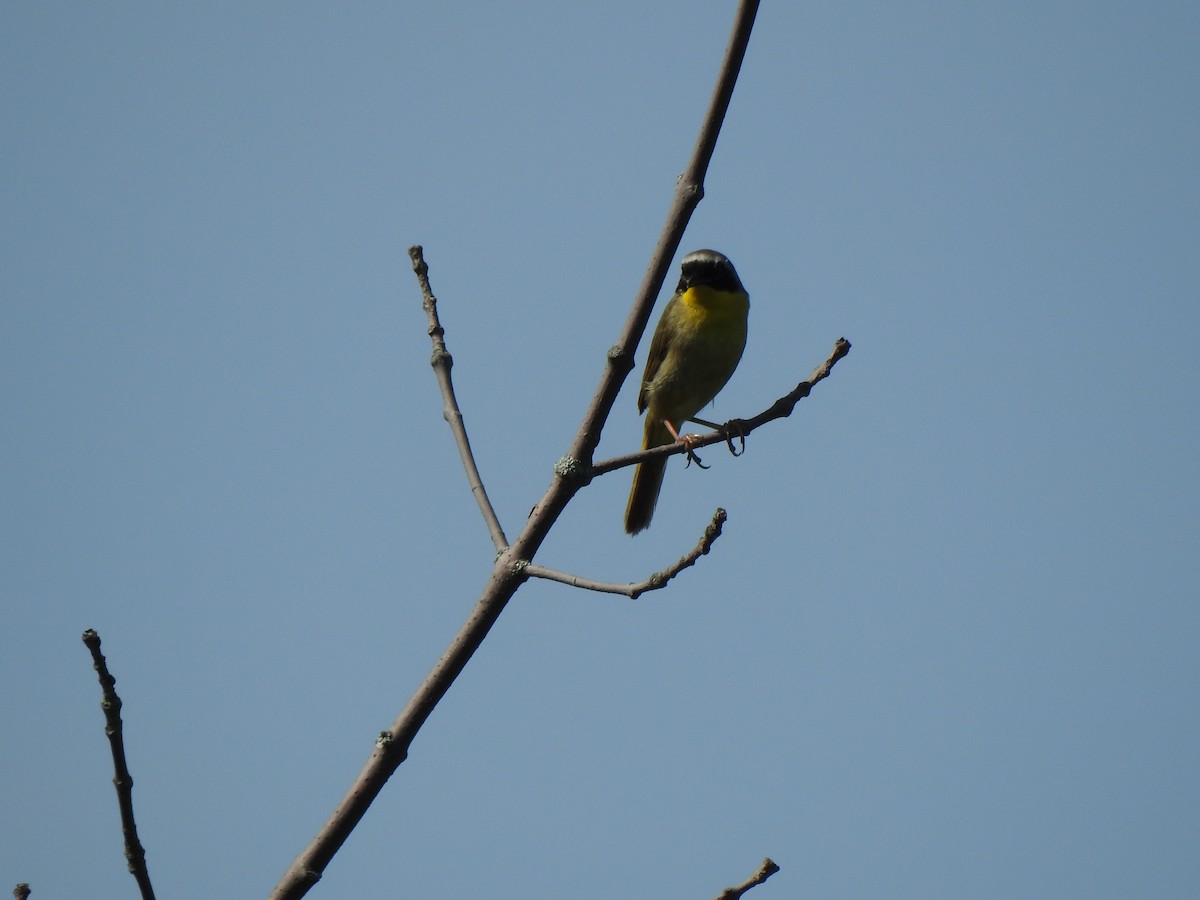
x=695 y=349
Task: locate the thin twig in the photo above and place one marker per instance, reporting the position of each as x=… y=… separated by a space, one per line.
x=442 y=362
x=655 y=582
x=571 y=473
x=734 y=428
x=765 y=871
x=135 y=854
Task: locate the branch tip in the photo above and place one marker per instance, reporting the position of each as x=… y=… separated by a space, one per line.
x=135 y=854
x=765 y=871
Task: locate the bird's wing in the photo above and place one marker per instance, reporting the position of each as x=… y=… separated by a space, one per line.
x=659 y=345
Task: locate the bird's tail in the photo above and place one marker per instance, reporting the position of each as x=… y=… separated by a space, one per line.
x=647 y=478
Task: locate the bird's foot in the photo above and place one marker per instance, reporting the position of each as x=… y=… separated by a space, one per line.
x=688 y=440
x=734 y=428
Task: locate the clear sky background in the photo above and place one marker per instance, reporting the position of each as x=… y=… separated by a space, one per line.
x=947 y=646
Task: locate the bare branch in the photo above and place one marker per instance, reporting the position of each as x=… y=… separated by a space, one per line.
x=734 y=428
x=442 y=362
x=135 y=854
x=570 y=474
x=765 y=871
x=655 y=582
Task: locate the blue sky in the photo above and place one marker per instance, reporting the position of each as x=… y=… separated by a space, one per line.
x=947 y=645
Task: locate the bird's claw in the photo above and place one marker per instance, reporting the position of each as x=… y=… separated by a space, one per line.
x=692 y=457
x=731 y=429
x=687 y=440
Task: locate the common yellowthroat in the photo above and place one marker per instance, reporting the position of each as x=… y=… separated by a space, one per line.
x=695 y=348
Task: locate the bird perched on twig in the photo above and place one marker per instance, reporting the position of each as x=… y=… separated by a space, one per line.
x=695 y=348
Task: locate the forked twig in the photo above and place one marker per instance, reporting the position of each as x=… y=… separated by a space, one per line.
x=572 y=472
x=689 y=190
